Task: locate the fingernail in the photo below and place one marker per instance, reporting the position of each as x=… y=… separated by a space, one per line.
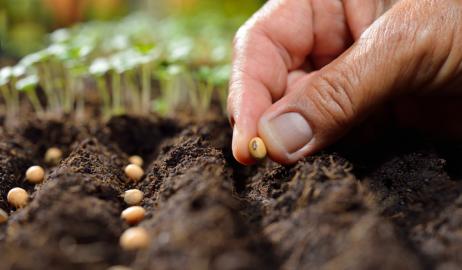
x=291 y=131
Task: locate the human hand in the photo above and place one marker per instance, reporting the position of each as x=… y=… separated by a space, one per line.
x=306 y=72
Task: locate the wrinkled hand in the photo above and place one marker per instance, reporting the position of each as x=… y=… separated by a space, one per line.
x=306 y=71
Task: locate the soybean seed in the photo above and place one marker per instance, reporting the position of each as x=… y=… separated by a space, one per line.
x=35 y=174
x=134 y=172
x=17 y=197
x=133 y=215
x=257 y=148
x=134 y=238
x=53 y=155
x=137 y=160
x=133 y=197
x=3 y=216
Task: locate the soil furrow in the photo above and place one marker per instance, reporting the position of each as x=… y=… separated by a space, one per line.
x=76 y=210
x=196 y=218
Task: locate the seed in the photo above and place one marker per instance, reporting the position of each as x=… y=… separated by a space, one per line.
x=35 y=174
x=257 y=148
x=134 y=172
x=133 y=196
x=3 y=216
x=134 y=238
x=53 y=155
x=133 y=215
x=137 y=160
x=17 y=197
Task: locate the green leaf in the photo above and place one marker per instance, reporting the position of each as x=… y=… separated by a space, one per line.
x=27 y=83
x=5 y=75
x=100 y=66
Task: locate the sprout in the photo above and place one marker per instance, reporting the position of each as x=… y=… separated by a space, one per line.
x=28 y=85
x=60 y=36
x=10 y=104
x=180 y=49
x=34 y=58
x=118 y=42
x=220 y=53
x=5 y=75
x=18 y=71
x=100 y=67
x=58 y=50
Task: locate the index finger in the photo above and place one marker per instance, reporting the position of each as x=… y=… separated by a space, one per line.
x=273 y=42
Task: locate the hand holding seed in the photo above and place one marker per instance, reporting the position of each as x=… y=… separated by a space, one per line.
x=306 y=72
x=257 y=148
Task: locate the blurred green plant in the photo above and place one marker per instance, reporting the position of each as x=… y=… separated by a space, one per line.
x=136 y=65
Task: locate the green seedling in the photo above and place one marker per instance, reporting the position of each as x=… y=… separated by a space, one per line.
x=5 y=77
x=99 y=68
x=28 y=85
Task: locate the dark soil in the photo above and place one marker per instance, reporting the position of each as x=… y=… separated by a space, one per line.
x=392 y=204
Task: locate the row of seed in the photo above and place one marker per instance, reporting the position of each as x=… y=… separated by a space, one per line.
x=133 y=238
x=136 y=237
x=18 y=197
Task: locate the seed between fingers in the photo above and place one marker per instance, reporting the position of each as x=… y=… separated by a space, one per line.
x=257 y=148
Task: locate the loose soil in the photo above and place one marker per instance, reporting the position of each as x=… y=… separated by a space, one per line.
x=395 y=203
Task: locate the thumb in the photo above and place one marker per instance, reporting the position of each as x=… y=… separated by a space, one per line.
x=394 y=56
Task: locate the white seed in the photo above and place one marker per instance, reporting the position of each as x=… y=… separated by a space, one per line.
x=134 y=172
x=3 y=216
x=35 y=174
x=133 y=197
x=134 y=238
x=257 y=148
x=133 y=215
x=137 y=160
x=53 y=155
x=17 y=197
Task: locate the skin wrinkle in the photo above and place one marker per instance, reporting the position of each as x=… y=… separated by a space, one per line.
x=410 y=43
x=453 y=58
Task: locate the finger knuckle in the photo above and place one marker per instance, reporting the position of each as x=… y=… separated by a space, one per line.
x=333 y=97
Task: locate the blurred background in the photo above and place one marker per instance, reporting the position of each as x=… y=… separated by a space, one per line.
x=24 y=24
